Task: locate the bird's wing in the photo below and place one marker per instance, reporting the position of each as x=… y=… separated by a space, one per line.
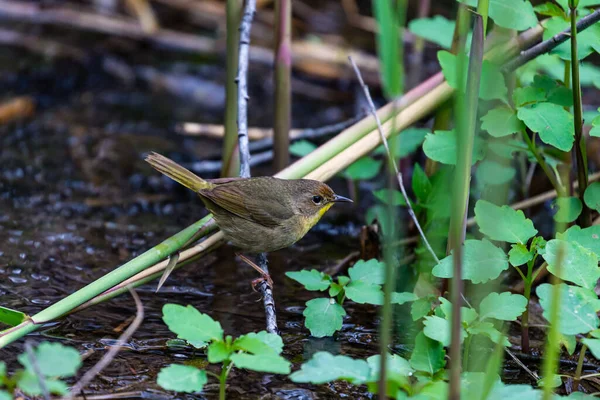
x=254 y=205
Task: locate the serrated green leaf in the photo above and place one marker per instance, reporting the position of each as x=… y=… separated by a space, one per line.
x=467 y=315
x=492 y=173
x=503 y=223
x=577 y=308
x=371 y=271
x=569 y=342
x=549 y=9
x=528 y=95
x=436 y=29
x=218 y=352
x=501 y=121
x=503 y=306
x=428 y=355
x=593 y=345
x=553 y=123
x=495 y=87
x=254 y=345
x=591 y=196
x=588 y=237
x=519 y=255
x=441 y=147
x=420 y=184
x=270 y=339
x=29 y=383
x=510 y=14
x=579 y=265
x=190 y=324
x=311 y=280
x=272 y=363
x=567 y=209
x=506 y=148
x=363 y=292
x=323 y=316
x=420 y=308
x=404 y=297
x=364 y=169
x=396 y=367
x=384 y=195
x=302 y=148
x=586 y=40
x=487 y=329
x=437 y=328
x=54 y=360
x=334 y=289
x=482 y=261
x=595 y=131
x=182 y=378
x=324 y=367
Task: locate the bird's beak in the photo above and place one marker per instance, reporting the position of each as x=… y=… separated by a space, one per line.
x=341 y=199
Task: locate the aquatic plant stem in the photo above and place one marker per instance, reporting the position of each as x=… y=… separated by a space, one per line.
x=540 y=160
x=230 y=153
x=528 y=281
x=242 y=119
x=283 y=94
x=225 y=369
x=585 y=219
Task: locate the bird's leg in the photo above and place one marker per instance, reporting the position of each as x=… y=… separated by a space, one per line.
x=265 y=276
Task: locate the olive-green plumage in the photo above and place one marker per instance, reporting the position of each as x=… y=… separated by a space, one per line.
x=259 y=214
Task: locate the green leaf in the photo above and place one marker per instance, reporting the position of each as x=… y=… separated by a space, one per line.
x=510 y=14
x=437 y=29
x=323 y=316
x=553 y=123
x=54 y=360
x=364 y=169
x=270 y=339
x=428 y=355
x=503 y=306
x=568 y=209
x=335 y=289
x=577 y=308
x=492 y=173
x=467 y=315
x=588 y=237
x=404 y=297
x=593 y=345
x=311 y=280
x=495 y=87
x=487 y=329
x=302 y=148
x=592 y=196
x=2 y=371
x=396 y=367
x=254 y=345
x=482 y=261
x=5 y=395
x=501 y=121
x=586 y=40
x=29 y=383
x=182 y=378
x=420 y=308
x=420 y=183
x=324 y=367
x=370 y=271
x=362 y=292
x=519 y=255
x=437 y=328
x=272 y=363
x=190 y=324
x=569 y=342
x=506 y=148
x=579 y=265
x=582 y=3
x=503 y=223
x=408 y=141
x=595 y=131
x=387 y=18
x=11 y=317
x=441 y=147
x=218 y=352
x=528 y=95
x=384 y=195
x=562 y=96
x=550 y=10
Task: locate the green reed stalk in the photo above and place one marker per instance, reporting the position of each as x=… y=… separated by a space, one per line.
x=283 y=95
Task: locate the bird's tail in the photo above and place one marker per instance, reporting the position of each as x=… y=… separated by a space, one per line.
x=176 y=172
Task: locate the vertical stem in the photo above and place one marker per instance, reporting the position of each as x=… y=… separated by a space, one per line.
x=579 y=369
x=579 y=146
x=283 y=97
x=223 y=379
x=482 y=9
x=525 y=317
x=230 y=154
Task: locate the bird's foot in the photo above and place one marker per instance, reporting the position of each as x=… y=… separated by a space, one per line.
x=266 y=278
x=265 y=275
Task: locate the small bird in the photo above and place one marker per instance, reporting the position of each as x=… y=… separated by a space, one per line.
x=260 y=214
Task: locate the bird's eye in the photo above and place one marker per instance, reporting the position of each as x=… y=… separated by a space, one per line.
x=317 y=199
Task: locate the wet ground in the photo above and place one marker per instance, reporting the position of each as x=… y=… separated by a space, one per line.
x=77 y=201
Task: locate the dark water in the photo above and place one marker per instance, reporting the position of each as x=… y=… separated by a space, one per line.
x=77 y=201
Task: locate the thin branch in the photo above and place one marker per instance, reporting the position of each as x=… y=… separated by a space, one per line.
x=114 y=350
x=242 y=119
x=373 y=111
x=554 y=41
x=37 y=370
